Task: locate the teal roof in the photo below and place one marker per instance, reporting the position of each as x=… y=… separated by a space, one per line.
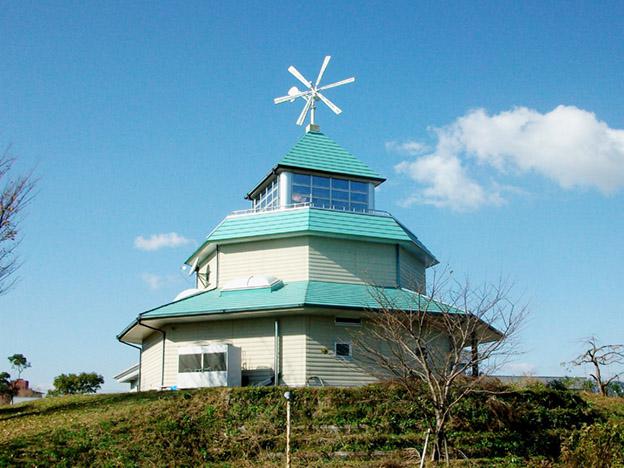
x=293 y=295
x=318 y=294
x=315 y=151
x=332 y=223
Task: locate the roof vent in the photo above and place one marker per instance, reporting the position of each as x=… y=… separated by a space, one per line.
x=253 y=282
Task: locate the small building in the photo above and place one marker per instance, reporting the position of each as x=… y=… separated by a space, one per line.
x=23 y=393
x=280 y=287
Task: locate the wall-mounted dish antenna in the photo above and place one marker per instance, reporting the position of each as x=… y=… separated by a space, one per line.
x=312 y=94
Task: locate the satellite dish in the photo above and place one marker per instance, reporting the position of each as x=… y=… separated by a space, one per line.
x=187 y=293
x=312 y=94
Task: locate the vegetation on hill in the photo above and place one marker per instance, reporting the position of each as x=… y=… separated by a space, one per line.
x=375 y=425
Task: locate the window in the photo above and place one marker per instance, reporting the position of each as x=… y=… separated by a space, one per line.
x=268 y=198
x=348 y=322
x=189 y=363
x=330 y=192
x=214 y=362
x=204 y=362
x=343 y=350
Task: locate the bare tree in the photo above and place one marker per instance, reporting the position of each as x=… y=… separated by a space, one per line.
x=445 y=342
x=15 y=193
x=600 y=357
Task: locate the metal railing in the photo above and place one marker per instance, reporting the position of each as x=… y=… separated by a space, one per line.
x=296 y=206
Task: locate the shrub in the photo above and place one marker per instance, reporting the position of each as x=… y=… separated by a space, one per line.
x=595 y=445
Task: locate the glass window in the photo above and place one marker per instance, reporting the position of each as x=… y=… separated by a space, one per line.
x=214 y=362
x=321 y=202
x=359 y=197
x=340 y=205
x=328 y=192
x=343 y=349
x=320 y=192
x=319 y=181
x=301 y=179
x=189 y=363
x=340 y=184
x=359 y=187
x=340 y=195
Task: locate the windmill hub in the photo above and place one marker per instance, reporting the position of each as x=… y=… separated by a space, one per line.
x=312 y=94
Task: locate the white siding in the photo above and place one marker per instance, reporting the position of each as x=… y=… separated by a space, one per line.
x=412 y=271
x=255 y=337
x=321 y=360
x=287 y=259
x=209 y=268
x=346 y=261
x=151 y=362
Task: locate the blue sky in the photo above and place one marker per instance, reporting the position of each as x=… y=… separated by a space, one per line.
x=143 y=119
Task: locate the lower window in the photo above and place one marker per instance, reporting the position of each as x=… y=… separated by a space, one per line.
x=343 y=349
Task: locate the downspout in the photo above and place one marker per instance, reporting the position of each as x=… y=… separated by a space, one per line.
x=398 y=265
x=276 y=354
x=217 y=273
x=164 y=336
x=140 y=359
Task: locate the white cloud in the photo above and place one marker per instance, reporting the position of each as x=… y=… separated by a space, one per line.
x=409 y=147
x=160 y=241
x=156 y=282
x=567 y=145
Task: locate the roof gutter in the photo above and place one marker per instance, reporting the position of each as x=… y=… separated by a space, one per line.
x=140 y=358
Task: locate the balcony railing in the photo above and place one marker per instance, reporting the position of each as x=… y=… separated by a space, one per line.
x=296 y=206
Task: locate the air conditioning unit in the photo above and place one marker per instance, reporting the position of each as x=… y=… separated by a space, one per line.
x=215 y=365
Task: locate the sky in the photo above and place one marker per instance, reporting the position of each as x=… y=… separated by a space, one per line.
x=497 y=124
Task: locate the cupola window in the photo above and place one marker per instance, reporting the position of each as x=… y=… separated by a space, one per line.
x=330 y=192
x=268 y=198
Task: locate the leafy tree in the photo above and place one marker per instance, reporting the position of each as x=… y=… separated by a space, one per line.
x=71 y=384
x=19 y=363
x=7 y=389
x=600 y=358
x=445 y=341
x=15 y=193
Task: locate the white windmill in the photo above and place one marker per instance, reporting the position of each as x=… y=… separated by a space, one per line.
x=312 y=94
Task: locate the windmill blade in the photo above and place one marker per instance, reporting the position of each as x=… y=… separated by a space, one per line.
x=290 y=97
x=323 y=67
x=305 y=110
x=294 y=72
x=331 y=105
x=337 y=83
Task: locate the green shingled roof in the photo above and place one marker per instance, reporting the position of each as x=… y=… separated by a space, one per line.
x=315 y=221
x=316 y=151
x=293 y=295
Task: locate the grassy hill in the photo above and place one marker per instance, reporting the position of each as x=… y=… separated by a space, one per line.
x=370 y=426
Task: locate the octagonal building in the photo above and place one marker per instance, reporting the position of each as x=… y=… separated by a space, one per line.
x=281 y=288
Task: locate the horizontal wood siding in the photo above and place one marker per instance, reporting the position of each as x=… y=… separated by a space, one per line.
x=255 y=337
x=346 y=261
x=287 y=259
x=151 y=362
x=208 y=267
x=293 y=349
x=321 y=361
x=412 y=271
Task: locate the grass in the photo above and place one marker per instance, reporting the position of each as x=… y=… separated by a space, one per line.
x=369 y=426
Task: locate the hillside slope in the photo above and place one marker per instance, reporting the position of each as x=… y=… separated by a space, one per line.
x=245 y=426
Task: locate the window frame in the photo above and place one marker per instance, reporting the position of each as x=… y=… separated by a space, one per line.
x=335 y=193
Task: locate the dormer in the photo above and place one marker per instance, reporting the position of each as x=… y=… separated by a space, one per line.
x=317 y=172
